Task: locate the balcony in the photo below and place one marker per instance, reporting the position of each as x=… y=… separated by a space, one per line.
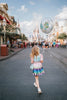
x=2 y=9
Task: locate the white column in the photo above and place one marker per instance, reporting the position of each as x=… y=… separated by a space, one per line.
x=1 y=39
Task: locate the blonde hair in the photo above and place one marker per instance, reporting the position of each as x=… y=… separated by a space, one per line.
x=35 y=51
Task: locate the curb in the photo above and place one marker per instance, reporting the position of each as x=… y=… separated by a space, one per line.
x=11 y=55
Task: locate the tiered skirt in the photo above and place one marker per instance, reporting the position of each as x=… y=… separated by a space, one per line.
x=37 y=69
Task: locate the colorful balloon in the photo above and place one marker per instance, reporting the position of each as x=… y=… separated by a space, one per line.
x=47 y=25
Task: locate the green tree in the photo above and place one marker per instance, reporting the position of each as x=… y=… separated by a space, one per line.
x=62 y=36
x=24 y=37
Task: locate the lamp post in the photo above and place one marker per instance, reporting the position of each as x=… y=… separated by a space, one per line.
x=4 y=25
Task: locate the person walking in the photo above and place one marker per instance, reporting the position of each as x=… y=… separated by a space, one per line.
x=8 y=44
x=36 y=66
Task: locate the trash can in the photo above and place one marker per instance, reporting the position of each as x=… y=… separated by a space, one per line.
x=4 y=50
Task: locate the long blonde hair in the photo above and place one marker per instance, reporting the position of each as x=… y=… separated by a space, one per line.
x=35 y=51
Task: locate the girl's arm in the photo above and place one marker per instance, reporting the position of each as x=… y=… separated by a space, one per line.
x=41 y=60
x=32 y=60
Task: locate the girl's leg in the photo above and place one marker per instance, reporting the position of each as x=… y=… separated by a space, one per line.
x=37 y=81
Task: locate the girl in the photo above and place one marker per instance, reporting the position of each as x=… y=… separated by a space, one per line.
x=36 y=65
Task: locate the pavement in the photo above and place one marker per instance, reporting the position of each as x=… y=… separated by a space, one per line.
x=12 y=52
x=60 y=54
x=16 y=79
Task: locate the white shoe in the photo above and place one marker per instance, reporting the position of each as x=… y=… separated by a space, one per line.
x=35 y=84
x=39 y=90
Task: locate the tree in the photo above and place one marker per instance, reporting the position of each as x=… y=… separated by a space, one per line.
x=9 y=28
x=62 y=36
x=24 y=37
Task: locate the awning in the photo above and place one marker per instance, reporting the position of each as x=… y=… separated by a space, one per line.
x=7 y=21
x=1 y=18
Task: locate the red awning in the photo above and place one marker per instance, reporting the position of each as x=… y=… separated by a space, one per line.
x=7 y=21
x=1 y=17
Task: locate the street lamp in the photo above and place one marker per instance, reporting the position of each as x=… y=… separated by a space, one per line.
x=4 y=25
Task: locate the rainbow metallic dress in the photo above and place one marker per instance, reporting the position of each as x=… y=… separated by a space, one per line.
x=37 y=65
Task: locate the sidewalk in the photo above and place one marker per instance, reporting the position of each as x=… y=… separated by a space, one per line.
x=12 y=52
x=60 y=54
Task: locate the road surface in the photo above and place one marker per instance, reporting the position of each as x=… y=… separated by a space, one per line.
x=16 y=79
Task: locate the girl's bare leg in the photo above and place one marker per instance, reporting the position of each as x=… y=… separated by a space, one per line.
x=37 y=81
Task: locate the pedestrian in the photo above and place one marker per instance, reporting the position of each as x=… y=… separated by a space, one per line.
x=36 y=66
x=8 y=44
x=54 y=44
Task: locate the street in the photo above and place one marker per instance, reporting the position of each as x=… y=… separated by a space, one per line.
x=16 y=79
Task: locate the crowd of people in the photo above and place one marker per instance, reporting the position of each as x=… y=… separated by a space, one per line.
x=43 y=44
x=16 y=44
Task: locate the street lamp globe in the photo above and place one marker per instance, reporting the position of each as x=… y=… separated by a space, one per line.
x=4 y=22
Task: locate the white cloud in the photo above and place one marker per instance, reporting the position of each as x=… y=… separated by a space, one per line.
x=27 y=27
x=23 y=8
x=62 y=14
x=32 y=3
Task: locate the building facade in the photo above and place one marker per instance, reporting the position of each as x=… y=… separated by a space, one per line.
x=11 y=28
x=59 y=28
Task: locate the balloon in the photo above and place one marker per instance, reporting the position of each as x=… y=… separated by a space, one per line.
x=47 y=25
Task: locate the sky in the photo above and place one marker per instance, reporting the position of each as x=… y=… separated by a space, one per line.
x=31 y=12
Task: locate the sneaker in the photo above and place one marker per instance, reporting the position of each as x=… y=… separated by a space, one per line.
x=39 y=91
x=35 y=84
